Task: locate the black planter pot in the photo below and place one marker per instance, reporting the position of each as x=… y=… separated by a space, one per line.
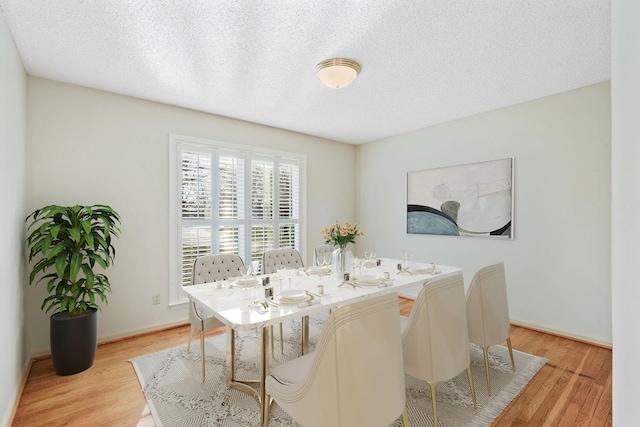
x=73 y=341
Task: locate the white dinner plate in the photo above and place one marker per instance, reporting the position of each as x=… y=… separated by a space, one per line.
x=366 y=280
x=244 y=283
x=315 y=270
x=293 y=294
x=283 y=299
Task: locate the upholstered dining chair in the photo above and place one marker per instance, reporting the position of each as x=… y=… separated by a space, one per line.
x=435 y=342
x=355 y=376
x=288 y=257
x=284 y=256
x=206 y=269
x=488 y=312
x=321 y=250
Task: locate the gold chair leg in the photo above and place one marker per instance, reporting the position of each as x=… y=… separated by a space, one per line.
x=432 y=384
x=191 y=332
x=271 y=333
x=473 y=388
x=405 y=418
x=264 y=368
x=267 y=409
x=486 y=367
x=513 y=364
x=281 y=340
x=202 y=353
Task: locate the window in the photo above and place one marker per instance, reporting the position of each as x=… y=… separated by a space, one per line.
x=230 y=199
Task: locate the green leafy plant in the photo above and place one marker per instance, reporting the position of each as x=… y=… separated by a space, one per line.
x=70 y=242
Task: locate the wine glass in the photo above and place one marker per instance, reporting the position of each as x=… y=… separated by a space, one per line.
x=246 y=271
x=406 y=259
x=325 y=261
x=289 y=273
x=369 y=255
x=256 y=267
x=280 y=269
x=357 y=263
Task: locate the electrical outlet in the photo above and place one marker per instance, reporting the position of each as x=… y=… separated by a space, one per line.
x=155 y=299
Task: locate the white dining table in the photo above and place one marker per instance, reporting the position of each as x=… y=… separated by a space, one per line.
x=240 y=308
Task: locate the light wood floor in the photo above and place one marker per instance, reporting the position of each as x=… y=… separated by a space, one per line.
x=573 y=388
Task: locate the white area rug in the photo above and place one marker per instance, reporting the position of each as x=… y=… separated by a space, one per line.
x=177 y=397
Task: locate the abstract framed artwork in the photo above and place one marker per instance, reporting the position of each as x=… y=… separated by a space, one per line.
x=474 y=199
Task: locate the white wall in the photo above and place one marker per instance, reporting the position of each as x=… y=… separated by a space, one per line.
x=86 y=146
x=14 y=356
x=558 y=266
x=625 y=153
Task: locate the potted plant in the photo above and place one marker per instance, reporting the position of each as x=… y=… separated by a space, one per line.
x=71 y=243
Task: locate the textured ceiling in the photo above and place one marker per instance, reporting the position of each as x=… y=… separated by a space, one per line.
x=423 y=62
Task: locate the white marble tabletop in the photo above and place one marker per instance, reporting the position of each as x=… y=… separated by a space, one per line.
x=236 y=306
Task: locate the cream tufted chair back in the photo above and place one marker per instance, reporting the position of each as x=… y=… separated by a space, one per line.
x=206 y=269
x=283 y=256
x=210 y=268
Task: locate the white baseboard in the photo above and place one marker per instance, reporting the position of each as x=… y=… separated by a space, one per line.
x=121 y=335
x=565 y=334
x=7 y=419
x=545 y=329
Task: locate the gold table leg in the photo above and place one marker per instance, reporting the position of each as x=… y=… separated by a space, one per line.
x=232 y=382
x=231 y=347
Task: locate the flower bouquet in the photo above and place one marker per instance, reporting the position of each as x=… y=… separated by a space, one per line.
x=341 y=236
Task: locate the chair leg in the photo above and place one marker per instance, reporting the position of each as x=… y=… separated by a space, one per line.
x=513 y=364
x=191 y=332
x=405 y=418
x=202 y=353
x=486 y=367
x=271 y=334
x=432 y=384
x=267 y=409
x=473 y=388
x=281 y=340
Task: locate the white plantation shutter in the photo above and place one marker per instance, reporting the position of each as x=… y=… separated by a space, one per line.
x=196 y=185
x=196 y=241
x=231 y=199
x=289 y=203
x=262 y=189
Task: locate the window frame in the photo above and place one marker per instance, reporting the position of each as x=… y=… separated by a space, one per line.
x=177 y=298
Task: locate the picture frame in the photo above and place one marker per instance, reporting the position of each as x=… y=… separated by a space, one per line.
x=474 y=200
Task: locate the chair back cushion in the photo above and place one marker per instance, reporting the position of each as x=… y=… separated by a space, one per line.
x=210 y=268
x=283 y=256
x=487 y=307
x=356 y=377
x=435 y=341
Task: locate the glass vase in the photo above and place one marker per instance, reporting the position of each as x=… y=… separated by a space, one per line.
x=342 y=262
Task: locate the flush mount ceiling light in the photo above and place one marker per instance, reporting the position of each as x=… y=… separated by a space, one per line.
x=338 y=72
